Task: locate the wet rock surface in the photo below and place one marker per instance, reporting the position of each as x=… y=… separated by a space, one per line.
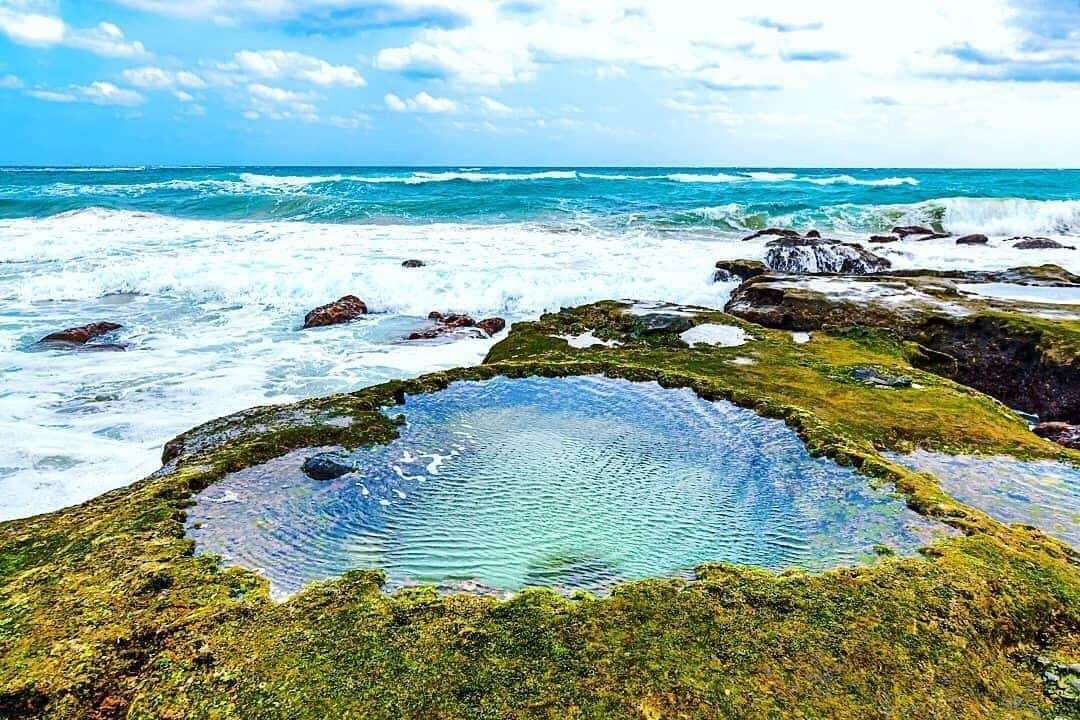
x=820 y=255
x=460 y=324
x=1060 y=432
x=870 y=376
x=81 y=335
x=732 y=270
x=975 y=239
x=342 y=310
x=1041 y=244
x=777 y=232
x=413 y=263
x=993 y=346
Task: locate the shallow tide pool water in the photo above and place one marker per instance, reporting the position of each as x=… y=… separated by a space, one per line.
x=572 y=482
x=1042 y=493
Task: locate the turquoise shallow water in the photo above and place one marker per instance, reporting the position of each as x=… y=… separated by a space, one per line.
x=665 y=198
x=575 y=483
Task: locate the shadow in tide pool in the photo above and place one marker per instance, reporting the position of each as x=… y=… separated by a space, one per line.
x=570 y=482
x=1042 y=493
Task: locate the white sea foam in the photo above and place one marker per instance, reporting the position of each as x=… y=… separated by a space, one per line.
x=704 y=178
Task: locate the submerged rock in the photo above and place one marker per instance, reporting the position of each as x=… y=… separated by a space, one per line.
x=818 y=255
x=340 y=311
x=81 y=335
x=974 y=239
x=1060 y=432
x=326 y=466
x=1048 y=275
x=658 y=323
x=731 y=270
x=883 y=238
x=1041 y=244
x=458 y=323
x=413 y=264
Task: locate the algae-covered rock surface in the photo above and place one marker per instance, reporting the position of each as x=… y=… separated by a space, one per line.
x=108 y=611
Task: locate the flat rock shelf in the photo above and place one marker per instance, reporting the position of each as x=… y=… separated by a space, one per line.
x=575 y=483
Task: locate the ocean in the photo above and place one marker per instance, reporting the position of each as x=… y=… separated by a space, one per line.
x=210 y=270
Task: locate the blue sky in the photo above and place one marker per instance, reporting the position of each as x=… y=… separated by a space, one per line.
x=541 y=82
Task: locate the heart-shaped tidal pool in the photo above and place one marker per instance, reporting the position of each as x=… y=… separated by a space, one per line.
x=576 y=483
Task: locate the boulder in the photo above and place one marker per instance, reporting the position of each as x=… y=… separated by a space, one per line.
x=1060 y=432
x=413 y=264
x=813 y=234
x=780 y=232
x=732 y=270
x=819 y=255
x=1041 y=244
x=492 y=325
x=883 y=238
x=326 y=466
x=452 y=320
x=81 y=335
x=974 y=239
x=340 y=311
x=933 y=236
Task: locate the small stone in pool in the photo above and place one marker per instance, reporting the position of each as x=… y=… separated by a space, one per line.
x=326 y=466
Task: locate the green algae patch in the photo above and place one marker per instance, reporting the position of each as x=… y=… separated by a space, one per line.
x=105 y=611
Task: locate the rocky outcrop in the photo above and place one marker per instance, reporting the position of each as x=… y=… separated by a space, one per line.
x=1002 y=349
x=458 y=324
x=883 y=238
x=738 y=270
x=413 y=263
x=1041 y=244
x=904 y=230
x=1048 y=275
x=1060 y=432
x=820 y=255
x=974 y=239
x=81 y=335
x=340 y=311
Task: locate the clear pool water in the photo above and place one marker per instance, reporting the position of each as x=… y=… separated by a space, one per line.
x=1042 y=493
x=572 y=483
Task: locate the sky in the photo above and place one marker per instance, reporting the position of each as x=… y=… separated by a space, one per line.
x=911 y=83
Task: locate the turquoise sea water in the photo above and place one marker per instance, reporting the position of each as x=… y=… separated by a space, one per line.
x=722 y=198
x=571 y=482
x=211 y=270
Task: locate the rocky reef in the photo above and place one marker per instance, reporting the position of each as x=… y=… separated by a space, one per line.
x=106 y=611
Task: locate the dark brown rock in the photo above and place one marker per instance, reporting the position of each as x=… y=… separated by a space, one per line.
x=883 y=238
x=933 y=236
x=492 y=325
x=904 y=230
x=820 y=255
x=974 y=239
x=81 y=335
x=1060 y=432
x=813 y=234
x=780 y=232
x=1041 y=244
x=730 y=270
x=340 y=311
x=413 y=264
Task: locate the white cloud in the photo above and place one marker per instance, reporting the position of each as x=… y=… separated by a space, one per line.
x=52 y=96
x=350 y=122
x=10 y=82
x=105 y=93
x=23 y=24
x=98 y=93
x=494 y=107
x=422 y=102
x=273 y=64
x=184 y=97
x=281 y=104
x=154 y=78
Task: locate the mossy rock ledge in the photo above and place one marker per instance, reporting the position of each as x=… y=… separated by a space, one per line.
x=107 y=612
